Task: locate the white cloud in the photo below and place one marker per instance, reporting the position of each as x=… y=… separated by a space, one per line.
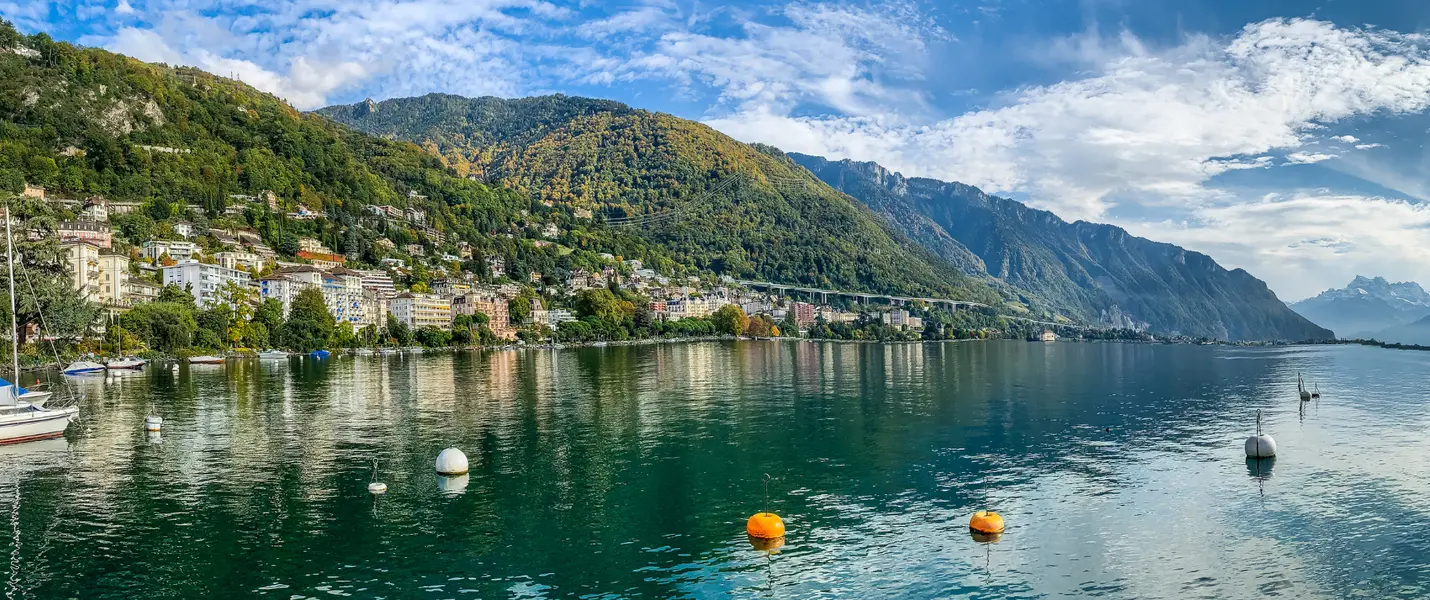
x=1302 y=243
x=1306 y=158
x=835 y=56
x=1349 y=139
x=1152 y=125
x=1368 y=146
x=307 y=51
x=306 y=85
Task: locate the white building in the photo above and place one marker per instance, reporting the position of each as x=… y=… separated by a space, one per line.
x=204 y=281
x=378 y=281
x=312 y=245
x=185 y=229
x=421 y=310
x=179 y=251
x=233 y=260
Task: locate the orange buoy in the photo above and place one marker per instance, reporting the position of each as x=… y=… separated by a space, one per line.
x=766 y=526
x=986 y=522
x=766 y=545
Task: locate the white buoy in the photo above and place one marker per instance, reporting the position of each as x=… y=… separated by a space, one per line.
x=376 y=487
x=451 y=462
x=155 y=437
x=153 y=423
x=1260 y=445
x=452 y=486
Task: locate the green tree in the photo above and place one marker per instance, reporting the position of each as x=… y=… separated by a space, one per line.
x=730 y=320
x=309 y=323
x=270 y=315
x=163 y=326
x=344 y=336
x=433 y=337
x=398 y=331
x=174 y=293
x=213 y=327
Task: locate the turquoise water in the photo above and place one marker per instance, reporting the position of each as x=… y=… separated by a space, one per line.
x=627 y=472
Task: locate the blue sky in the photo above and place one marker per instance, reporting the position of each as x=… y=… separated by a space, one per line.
x=1281 y=137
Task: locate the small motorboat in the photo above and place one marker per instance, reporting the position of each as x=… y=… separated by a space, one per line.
x=128 y=363
x=319 y=354
x=388 y=351
x=205 y=359
x=273 y=355
x=363 y=352
x=82 y=367
x=414 y=350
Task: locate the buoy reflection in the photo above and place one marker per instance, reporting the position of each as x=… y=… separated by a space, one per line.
x=1260 y=468
x=452 y=486
x=771 y=545
x=985 y=538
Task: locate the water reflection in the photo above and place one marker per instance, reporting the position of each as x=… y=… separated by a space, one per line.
x=628 y=471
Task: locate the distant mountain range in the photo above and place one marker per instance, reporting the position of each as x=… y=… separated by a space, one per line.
x=1089 y=271
x=1370 y=308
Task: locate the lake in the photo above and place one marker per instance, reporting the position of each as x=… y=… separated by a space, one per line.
x=628 y=472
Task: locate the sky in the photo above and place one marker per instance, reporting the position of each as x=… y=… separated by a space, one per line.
x=1284 y=138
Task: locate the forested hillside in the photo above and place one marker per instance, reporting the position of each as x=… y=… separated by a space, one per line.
x=712 y=202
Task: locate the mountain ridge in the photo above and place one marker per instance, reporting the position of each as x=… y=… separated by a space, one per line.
x=1090 y=271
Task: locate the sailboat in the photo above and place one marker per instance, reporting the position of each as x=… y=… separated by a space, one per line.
x=273 y=355
x=124 y=362
x=22 y=421
x=1301 y=386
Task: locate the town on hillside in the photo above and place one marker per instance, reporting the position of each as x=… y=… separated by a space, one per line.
x=429 y=290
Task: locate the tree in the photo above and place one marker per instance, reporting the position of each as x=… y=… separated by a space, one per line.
x=309 y=323
x=270 y=315
x=163 y=326
x=178 y=295
x=603 y=305
x=344 y=336
x=42 y=273
x=760 y=326
x=398 y=331
x=213 y=327
x=433 y=337
x=730 y=320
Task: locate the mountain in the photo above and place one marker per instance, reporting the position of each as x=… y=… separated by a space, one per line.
x=1086 y=271
x=742 y=210
x=1367 y=307
x=1415 y=332
x=83 y=121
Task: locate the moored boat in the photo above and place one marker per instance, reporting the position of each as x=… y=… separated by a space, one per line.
x=24 y=421
x=205 y=359
x=35 y=398
x=388 y=351
x=273 y=355
x=81 y=367
x=129 y=363
x=320 y=353
x=363 y=352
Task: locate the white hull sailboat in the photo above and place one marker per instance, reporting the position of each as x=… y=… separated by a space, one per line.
x=205 y=360
x=23 y=421
x=273 y=355
x=126 y=364
x=36 y=398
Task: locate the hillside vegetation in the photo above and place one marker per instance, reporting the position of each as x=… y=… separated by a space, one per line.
x=714 y=203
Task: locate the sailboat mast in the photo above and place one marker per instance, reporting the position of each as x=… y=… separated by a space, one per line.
x=14 y=322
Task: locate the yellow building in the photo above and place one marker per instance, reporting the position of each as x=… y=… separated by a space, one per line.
x=421 y=310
